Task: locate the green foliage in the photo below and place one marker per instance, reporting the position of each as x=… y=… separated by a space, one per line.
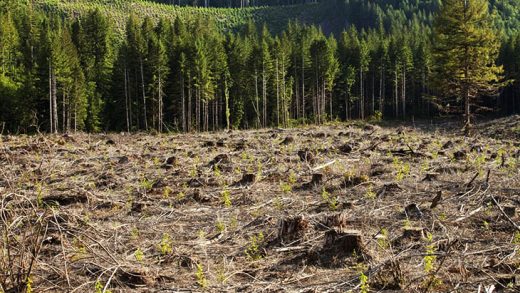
x=465 y=49
x=166 y=245
x=201 y=277
x=253 y=251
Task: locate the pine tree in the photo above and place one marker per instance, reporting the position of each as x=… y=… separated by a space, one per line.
x=465 y=50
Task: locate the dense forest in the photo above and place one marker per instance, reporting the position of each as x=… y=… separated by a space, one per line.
x=64 y=70
x=234 y=3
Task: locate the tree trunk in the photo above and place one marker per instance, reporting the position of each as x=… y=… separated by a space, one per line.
x=144 y=96
x=51 y=123
x=183 y=103
x=126 y=102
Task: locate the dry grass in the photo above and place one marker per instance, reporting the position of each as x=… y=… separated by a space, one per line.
x=255 y=211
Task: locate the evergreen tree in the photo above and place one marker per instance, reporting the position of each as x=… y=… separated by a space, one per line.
x=465 y=51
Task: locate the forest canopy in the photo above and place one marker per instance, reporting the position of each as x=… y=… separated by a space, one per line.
x=116 y=65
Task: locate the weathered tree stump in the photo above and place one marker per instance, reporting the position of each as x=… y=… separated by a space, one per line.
x=287 y=140
x=293 y=228
x=247 y=179
x=342 y=241
x=510 y=210
x=220 y=159
x=346 y=148
x=338 y=220
x=413 y=211
x=307 y=156
x=170 y=162
x=413 y=233
x=431 y=176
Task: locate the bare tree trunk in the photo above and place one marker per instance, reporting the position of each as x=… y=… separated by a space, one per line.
x=183 y=103
x=188 y=120
x=403 y=94
x=303 y=84
x=126 y=102
x=277 y=96
x=144 y=97
x=396 y=94
x=54 y=101
x=51 y=115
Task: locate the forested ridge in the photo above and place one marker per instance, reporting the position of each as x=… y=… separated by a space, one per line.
x=111 y=65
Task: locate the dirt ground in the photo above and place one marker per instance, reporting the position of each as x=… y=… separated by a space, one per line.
x=317 y=209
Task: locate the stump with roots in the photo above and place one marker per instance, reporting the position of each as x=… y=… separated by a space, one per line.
x=293 y=228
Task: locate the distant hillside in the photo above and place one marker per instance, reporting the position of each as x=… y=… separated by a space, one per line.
x=333 y=15
x=225 y=18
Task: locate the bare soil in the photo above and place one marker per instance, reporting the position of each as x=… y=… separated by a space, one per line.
x=313 y=209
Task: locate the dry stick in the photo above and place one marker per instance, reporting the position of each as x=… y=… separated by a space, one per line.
x=110 y=279
x=504 y=213
x=62 y=249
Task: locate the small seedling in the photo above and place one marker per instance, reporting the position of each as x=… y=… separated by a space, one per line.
x=139 y=255
x=220 y=226
x=201 y=277
x=363 y=283
x=253 y=251
x=430 y=258
x=166 y=245
x=226 y=198
x=167 y=192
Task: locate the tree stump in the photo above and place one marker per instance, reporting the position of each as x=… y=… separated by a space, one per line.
x=339 y=220
x=413 y=211
x=510 y=210
x=287 y=140
x=293 y=228
x=342 y=241
x=307 y=156
x=247 y=179
x=414 y=233
x=346 y=148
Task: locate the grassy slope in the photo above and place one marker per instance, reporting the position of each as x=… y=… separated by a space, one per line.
x=226 y=18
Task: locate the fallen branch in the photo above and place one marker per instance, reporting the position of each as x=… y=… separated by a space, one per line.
x=504 y=213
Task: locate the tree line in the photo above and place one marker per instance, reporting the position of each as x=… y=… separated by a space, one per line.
x=62 y=75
